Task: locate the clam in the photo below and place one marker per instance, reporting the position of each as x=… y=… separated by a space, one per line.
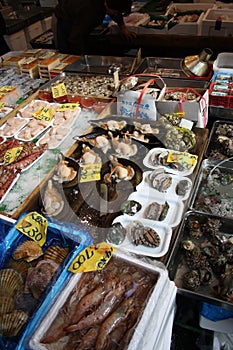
x=12 y=322
x=28 y=250
x=116 y=233
x=10 y=282
x=160 y=180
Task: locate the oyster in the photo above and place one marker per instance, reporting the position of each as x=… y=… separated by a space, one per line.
x=143 y=235
x=160 y=180
x=116 y=233
x=11 y=323
x=156 y=211
x=53 y=202
x=28 y=250
x=130 y=207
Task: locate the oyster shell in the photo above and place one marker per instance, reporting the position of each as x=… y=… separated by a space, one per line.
x=53 y=202
x=143 y=235
x=130 y=207
x=12 y=322
x=182 y=187
x=28 y=250
x=10 y=282
x=156 y=211
x=116 y=233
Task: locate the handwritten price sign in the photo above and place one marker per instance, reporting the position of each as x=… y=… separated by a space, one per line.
x=12 y=154
x=92 y=258
x=59 y=90
x=90 y=172
x=34 y=226
x=44 y=113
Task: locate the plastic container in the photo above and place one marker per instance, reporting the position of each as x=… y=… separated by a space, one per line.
x=224 y=62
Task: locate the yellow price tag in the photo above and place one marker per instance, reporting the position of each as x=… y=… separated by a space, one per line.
x=90 y=172
x=70 y=106
x=59 y=90
x=2 y=105
x=187 y=160
x=7 y=88
x=44 y=113
x=12 y=154
x=34 y=226
x=92 y=258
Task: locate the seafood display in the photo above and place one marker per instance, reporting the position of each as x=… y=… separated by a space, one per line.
x=24 y=277
x=220 y=144
x=171 y=161
x=213 y=192
x=143 y=235
x=101 y=309
x=11 y=167
x=12 y=126
x=201 y=261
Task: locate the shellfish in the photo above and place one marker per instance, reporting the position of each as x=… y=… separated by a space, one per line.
x=130 y=207
x=10 y=282
x=143 y=235
x=116 y=233
x=63 y=171
x=56 y=254
x=160 y=180
x=28 y=250
x=156 y=211
x=119 y=172
x=11 y=323
x=53 y=202
x=123 y=148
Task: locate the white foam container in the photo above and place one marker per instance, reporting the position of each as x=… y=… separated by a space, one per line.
x=224 y=62
x=150 y=325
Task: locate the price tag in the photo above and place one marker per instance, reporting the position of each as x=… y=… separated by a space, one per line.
x=12 y=154
x=59 y=90
x=116 y=79
x=34 y=226
x=187 y=160
x=44 y=113
x=70 y=106
x=90 y=172
x=7 y=88
x=2 y=105
x=92 y=258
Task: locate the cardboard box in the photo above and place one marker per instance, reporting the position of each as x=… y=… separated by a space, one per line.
x=218 y=22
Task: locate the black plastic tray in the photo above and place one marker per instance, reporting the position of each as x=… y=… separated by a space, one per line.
x=215 y=148
x=177 y=264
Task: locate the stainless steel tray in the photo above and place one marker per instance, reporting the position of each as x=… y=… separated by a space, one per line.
x=213 y=190
x=218 y=144
x=165 y=67
x=102 y=65
x=207 y=265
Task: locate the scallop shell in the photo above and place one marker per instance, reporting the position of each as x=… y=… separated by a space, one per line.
x=11 y=323
x=29 y=251
x=6 y=304
x=10 y=282
x=20 y=266
x=57 y=254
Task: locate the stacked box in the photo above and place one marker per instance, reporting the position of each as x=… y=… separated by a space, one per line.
x=218 y=22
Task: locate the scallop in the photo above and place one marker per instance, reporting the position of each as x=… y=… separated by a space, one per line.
x=10 y=282
x=21 y=266
x=11 y=323
x=29 y=251
x=56 y=253
x=6 y=304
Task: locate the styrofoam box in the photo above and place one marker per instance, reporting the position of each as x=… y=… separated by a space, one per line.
x=187 y=28
x=223 y=5
x=143 y=326
x=224 y=62
x=16 y=41
x=210 y=27
x=223 y=326
x=33 y=31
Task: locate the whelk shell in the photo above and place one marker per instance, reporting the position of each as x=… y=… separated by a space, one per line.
x=29 y=251
x=11 y=323
x=10 y=282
